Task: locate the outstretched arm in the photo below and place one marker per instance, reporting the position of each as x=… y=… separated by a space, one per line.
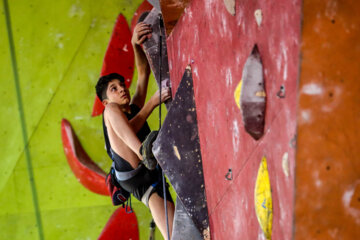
x=141 y=32
x=139 y=119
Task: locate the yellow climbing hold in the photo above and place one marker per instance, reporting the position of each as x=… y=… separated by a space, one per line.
x=263 y=200
x=237 y=94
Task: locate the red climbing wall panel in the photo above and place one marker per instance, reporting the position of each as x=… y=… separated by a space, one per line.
x=217 y=44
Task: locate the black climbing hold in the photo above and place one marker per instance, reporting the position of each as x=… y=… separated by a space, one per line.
x=152 y=51
x=178 y=152
x=253 y=96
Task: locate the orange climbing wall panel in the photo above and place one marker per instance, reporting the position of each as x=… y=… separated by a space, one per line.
x=171 y=11
x=217 y=44
x=327 y=204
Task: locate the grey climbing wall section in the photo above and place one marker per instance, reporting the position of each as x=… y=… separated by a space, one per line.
x=184 y=228
x=156 y=4
x=177 y=150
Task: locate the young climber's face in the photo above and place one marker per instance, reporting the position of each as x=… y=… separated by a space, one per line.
x=117 y=92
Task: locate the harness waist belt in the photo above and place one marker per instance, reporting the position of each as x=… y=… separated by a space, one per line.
x=123 y=176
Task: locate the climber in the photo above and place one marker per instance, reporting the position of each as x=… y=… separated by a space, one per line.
x=125 y=130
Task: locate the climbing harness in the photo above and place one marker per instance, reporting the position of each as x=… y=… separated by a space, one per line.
x=123 y=176
x=119 y=196
x=146 y=196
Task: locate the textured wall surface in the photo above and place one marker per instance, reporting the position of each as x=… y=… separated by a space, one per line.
x=318 y=119
x=327 y=202
x=59 y=49
x=217 y=44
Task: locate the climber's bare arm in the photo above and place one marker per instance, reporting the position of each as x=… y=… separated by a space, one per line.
x=138 y=121
x=141 y=33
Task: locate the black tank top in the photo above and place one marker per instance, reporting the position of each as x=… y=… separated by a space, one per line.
x=121 y=164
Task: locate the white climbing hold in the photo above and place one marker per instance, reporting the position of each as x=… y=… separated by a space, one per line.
x=230 y=6
x=258 y=16
x=285 y=164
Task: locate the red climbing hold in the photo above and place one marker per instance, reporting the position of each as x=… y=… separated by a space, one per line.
x=121 y=226
x=119 y=58
x=86 y=171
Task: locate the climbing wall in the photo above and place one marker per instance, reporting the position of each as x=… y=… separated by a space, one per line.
x=255 y=133
x=217 y=44
x=249 y=172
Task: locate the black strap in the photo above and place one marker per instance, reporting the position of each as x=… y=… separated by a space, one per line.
x=107 y=142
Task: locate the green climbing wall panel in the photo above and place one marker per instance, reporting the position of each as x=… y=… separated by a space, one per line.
x=59 y=48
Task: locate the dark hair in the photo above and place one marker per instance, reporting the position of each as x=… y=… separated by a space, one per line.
x=103 y=82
